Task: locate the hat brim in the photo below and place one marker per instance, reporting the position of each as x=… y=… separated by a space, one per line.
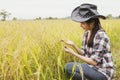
x=76 y=17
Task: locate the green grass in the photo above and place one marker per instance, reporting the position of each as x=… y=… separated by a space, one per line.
x=31 y=50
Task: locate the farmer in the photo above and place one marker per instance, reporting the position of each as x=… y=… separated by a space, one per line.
x=95 y=51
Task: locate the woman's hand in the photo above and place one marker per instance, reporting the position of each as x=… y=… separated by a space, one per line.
x=69 y=50
x=69 y=42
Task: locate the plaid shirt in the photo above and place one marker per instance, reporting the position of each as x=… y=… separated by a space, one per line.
x=100 y=52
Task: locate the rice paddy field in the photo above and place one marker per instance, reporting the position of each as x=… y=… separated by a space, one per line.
x=31 y=50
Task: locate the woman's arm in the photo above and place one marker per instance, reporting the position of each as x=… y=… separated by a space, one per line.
x=78 y=49
x=83 y=58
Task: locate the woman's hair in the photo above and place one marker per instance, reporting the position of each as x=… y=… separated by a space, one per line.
x=97 y=26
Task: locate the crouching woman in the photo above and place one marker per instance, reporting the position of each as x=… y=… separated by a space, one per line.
x=95 y=50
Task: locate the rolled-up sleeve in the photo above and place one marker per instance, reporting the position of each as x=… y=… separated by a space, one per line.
x=83 y=51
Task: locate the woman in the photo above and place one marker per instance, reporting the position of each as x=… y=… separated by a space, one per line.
x=95 y=47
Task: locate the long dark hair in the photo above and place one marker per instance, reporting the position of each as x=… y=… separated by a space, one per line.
x=97 y=26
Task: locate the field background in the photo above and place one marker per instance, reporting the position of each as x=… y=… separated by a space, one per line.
x=31 y=50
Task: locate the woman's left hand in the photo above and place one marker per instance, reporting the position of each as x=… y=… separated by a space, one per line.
x=69 y=50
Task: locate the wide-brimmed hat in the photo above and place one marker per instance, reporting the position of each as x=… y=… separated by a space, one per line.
x=85 y=12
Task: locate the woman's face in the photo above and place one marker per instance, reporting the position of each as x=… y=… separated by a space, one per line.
x=86 y=26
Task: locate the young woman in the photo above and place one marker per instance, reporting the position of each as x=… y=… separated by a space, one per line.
x=95 y=47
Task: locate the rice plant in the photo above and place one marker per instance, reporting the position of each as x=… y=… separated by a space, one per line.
x=31 y=50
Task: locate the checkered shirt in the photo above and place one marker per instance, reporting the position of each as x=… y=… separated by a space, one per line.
x=100 y=52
